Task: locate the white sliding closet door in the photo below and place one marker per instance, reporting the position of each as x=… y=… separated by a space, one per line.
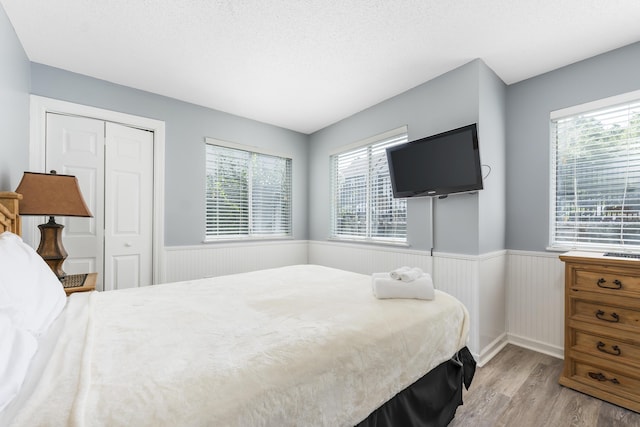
x=75 y=146
x=114 y=166
x=128 y=207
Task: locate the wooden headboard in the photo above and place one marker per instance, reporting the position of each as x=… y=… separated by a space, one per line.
x=9 y=212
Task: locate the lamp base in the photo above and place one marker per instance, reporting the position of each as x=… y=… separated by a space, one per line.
x=51 y=248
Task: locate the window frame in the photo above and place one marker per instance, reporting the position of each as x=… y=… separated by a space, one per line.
x=334 y=195
x=583 y=109
x=250 y=235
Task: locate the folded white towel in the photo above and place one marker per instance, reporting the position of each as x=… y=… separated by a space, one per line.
x=395 y=274
x=384 y=287
x=411 y=275
x=406 y=274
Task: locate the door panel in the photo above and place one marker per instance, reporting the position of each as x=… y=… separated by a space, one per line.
x=75 y=146
x=128 y=207
x=123 y=269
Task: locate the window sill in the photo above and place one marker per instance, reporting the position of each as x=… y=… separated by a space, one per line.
x=622 y=249
x=250 y=239
x=369 y=242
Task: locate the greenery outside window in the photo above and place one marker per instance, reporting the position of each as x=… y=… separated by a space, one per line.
x=595 y=179
x=363 y=207
x=248 y=193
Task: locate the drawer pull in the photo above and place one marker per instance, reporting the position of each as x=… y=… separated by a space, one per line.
x=614 y=317
x=617 y=284
x=600 y=377
x=601 y=346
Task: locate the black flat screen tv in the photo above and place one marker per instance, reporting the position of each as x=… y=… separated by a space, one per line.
x=437 y=165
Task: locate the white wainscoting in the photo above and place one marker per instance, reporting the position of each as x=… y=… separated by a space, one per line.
x=535 y=301
x=366 y=259
x=217 y=259
x=477 y=281
x=512 y=296
x=458 y=276
x=492 y=299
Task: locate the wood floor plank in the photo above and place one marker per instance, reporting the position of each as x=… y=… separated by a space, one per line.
x=510 y=371
x=573 y=409
x=615 y=416
x=482 y=411
x=529 y=406
x=519 y=387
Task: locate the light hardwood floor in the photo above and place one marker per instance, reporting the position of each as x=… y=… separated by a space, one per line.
x=519 y=388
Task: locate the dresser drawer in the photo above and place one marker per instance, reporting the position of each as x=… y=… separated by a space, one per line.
x=607 y=348
x=606 y=314
x=606 y=281
x=602 y=327
x=617 y=383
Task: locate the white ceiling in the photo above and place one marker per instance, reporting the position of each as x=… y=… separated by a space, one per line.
x=305 y=64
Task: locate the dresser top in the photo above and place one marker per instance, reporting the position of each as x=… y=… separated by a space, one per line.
x=600 y=257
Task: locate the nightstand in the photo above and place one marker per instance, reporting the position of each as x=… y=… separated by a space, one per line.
x=79 y=282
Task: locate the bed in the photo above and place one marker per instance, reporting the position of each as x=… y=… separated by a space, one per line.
x=302 y=345
x=9 y=218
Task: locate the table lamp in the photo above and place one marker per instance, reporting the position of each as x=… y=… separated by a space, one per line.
x=51 y=195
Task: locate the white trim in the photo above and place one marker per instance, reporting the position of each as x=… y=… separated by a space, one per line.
x=236 y=244
x=245 y=147
x=370 y=140
x=210 y=154
x=540 y=347
x=399 y=248
x=495 y=254
x=39 y=108
x=534 y=253
x=371 y=246
x=595 y=105
x=464 y=257
x=595 y=248
x=241 y=238
x=492 y=349
x=480 y=257
x=368 y=241
x=552 y=180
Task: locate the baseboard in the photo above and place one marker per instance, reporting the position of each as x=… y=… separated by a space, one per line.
x=491 y=350
x=501 y=342
x=540 y=347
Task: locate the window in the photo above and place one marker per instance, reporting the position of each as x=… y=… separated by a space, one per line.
x=363 y=207
x=248 y=193
x=595 y=176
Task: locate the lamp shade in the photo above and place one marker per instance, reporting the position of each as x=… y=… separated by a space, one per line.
x=52 y=195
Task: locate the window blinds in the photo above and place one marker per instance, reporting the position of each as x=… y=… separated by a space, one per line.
x=596 y=184
x=248 y=194
x=363 y=206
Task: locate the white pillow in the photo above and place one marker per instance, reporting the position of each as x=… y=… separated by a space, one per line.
x=17 y=348
x=32 y=295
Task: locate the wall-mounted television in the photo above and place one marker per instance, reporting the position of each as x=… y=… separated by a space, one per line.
x=437 y=165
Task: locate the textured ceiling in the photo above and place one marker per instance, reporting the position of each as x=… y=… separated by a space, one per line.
x=304 y=64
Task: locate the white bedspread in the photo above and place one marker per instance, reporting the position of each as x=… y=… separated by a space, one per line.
x=293 y=346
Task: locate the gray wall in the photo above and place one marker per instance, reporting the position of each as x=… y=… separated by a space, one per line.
x=14 y=106
x=528 y=106
x=492 y=199
x=187 y=125
x=446 y=102
x=463 y=224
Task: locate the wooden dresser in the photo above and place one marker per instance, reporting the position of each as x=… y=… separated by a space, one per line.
x=602 y=327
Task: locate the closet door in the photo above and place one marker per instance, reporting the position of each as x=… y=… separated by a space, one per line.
x=128 y=207
x=114 y=166
x=75 y=146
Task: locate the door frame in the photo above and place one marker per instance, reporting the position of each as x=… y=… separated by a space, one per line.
x=40 y=106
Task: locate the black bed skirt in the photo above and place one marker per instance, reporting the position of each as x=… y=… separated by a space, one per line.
x=432 y=400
